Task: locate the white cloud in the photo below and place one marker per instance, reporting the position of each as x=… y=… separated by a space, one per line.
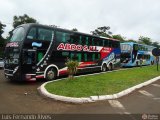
x=126 y=17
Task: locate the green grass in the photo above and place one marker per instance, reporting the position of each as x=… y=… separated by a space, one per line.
x=102 y=84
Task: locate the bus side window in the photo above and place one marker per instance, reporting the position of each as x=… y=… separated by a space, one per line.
x=28 y=57
x=75 y=38
x=45 y=34
x=97 y=43
x=83 y=40
x=89 y=41
x=59 y=56
x=110 y=43
x=40 y=56
x=94 y=42
x=95 y=56
x=32 y=33
x=79 y=55
x=100 y=42
x=62 y=37
x=139 y=56
x=106 y=43
x=115 y=44
x=85 y=57
x=76 y=56
x=89 y=56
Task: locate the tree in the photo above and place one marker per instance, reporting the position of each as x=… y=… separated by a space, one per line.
x=102 y=31
x=71 y=67
x=2 y=40
x=145 y=40
x=75 y=29
x=55 y=26
x=18 y=20
x=2 y=30
x=118 y=37
x=156 y=44
x=131 y=40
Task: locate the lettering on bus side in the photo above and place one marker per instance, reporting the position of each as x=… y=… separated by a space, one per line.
x=74 y=47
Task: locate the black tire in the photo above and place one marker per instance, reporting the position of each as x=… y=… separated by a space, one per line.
x=137 y=64
x=110 y=67
x=104 y=68
x=51 y=74
x=152 y=62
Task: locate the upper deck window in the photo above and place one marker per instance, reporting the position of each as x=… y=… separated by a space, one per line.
x=45 y=34
x=32 y=34
x=64 y=37
x=126 y=47
x=18 y=34
x=40 y=34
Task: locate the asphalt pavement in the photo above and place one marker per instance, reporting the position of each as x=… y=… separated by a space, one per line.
x=18 y=97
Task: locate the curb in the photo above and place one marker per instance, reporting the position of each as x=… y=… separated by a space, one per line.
x=45 y=93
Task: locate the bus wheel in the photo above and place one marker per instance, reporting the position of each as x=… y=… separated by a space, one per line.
x=104 y=68
x=110 y=67
x=152 y=62
x=137 y=64
x=51 y=74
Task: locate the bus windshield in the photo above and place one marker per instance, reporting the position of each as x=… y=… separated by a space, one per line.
x=12 y=56
x=125 y=55
x=18 y=34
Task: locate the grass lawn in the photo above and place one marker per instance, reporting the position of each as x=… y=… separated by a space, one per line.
x=102 y=84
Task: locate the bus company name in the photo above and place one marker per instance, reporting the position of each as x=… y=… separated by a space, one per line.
x=12 y=44
x=74 y=47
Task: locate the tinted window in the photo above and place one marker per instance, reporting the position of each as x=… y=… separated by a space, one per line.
x=90 y=56
x=59 y=56
x=105 y=43
x=98 y=42
x=93 y=42
x=116 y=44
x=139 y=56
x=84 y=40
x=74 y=39
x=32 y=34
x=18 y=34
x=110 y=43
x=62 y=37
x=40 y=54
x=79 y=56
x=45 y=34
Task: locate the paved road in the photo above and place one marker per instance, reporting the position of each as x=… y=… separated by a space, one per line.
x=14 y=100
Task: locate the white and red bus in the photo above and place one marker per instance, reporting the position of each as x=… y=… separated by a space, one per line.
x=39 y=51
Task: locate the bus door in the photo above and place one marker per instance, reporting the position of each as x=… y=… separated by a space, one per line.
x=29 y=64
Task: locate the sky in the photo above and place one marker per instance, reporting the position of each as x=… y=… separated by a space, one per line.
x=129 y=18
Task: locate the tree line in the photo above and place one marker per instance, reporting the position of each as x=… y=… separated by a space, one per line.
x=103 y=31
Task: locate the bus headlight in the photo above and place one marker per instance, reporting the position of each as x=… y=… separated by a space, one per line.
x=15 y=69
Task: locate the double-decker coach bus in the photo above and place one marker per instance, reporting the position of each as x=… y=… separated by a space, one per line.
x=39 y=51
x=134 y=54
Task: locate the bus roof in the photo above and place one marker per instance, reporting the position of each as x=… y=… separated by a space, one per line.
x=52 y=27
